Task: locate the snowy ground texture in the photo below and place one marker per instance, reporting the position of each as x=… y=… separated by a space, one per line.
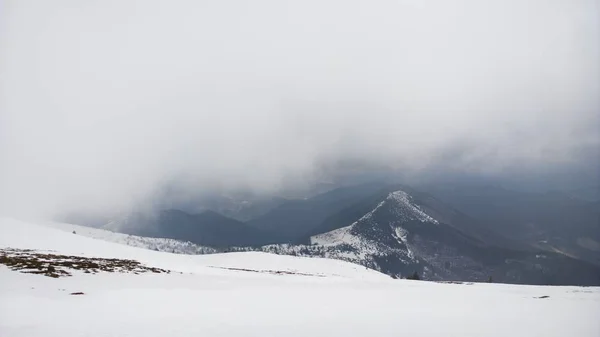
x=259 y=294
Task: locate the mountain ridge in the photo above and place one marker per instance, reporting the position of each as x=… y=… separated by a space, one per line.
x=398 y=237
x=392 y=228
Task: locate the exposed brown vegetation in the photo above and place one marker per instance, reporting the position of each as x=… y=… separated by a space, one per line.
x=55 y=265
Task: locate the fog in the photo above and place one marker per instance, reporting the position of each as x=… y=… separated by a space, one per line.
x=103 y=103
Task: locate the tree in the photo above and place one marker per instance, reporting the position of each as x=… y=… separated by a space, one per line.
x=414 y=276
x=490 y=279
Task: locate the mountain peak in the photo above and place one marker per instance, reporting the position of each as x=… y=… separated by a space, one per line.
x=408 y=209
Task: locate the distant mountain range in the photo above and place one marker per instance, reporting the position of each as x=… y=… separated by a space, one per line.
x=553 y=221
x=208 y=228
x=441 y=232
x=295 y=220
x=404 y=233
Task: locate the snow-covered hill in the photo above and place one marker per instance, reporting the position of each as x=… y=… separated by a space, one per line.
x=258 y=294
x=398 y=232
x=402 y=234
x=47 y=238
x=371 y=241
x=159 y=244
x=362 y=241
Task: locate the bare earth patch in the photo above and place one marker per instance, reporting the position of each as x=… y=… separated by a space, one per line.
x=55 y=265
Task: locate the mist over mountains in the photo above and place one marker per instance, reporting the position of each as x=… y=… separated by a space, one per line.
x=102 y=109
x=443 y=232
x=282 y=167
x=458 y=139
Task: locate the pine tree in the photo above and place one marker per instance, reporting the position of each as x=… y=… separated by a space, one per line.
x=414 y=276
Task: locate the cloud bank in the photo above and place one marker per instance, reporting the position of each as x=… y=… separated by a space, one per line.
x=102 y=102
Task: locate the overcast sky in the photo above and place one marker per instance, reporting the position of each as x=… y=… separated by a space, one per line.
x=102 y=102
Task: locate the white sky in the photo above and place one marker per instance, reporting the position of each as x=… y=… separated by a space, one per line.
x=102 y=101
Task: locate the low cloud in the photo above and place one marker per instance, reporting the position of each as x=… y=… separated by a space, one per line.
x=103 y=103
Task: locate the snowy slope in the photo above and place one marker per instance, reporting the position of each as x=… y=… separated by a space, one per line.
x=205 y=299
x=23 y=235
x=353 y=244
x=407 y=232
x=376 y=239
x=400 y=206
x=159 y=244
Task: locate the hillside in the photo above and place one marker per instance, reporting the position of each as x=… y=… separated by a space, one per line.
x=398 y=230
x=294 y=219
x=158 y=244
x=552 y=221
x=257 y=294
x=206 y=229
x=406 y=232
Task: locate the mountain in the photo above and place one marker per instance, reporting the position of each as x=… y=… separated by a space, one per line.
x=207 y=228
x=553 y=221
x=438 y=209
x=294 y=219
x=405 y=233
x=96 y=293
x=247 y=210
x=152 y=243
x=398 y=230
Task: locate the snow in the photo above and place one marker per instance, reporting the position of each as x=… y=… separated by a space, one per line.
x=343 y=235
x=335 y=237
x=362 y=250
x=199 y=297
x=370 y=214
x=160 y=244
x=23 y=235
x=401 y=205
x=402 y=235
x=408 y=209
